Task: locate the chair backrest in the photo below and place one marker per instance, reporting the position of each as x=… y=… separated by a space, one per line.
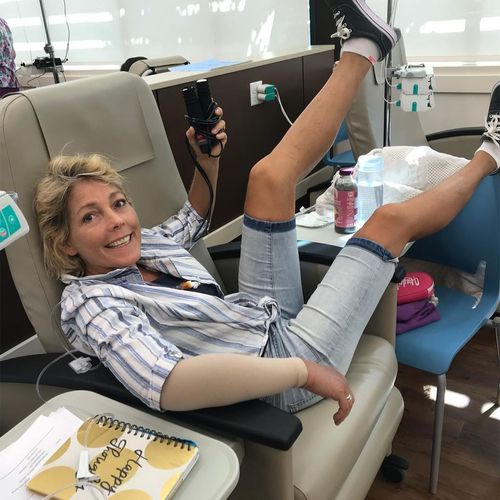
x=473 y=236
x=340 y=154
x=365 y=120
x=144 y=67
x=115 y=115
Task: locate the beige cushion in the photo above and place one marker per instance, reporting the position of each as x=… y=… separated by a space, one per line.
x=323 y=460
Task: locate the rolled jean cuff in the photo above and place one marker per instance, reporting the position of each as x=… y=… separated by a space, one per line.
x=372 y=247
x=265 y=226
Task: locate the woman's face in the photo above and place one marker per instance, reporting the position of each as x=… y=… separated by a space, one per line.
x=104 y=230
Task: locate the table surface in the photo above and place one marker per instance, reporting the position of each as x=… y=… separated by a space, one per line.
x=213 y=477
x=328 y=236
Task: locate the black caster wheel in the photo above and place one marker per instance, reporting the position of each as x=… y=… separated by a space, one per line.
x=394 y=468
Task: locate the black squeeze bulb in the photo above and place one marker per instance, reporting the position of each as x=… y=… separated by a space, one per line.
x=194 y=110
x=204 y=97
x=193 y=107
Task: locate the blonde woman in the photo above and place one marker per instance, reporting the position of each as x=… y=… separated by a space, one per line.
x=137 y=299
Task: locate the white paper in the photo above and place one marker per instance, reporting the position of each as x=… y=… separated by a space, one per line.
x=22 y=459
x=311 y=219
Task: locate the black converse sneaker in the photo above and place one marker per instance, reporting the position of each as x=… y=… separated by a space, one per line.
x=492 y=122
x=354 y=19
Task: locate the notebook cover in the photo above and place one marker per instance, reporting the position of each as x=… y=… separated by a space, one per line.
x=132 y=463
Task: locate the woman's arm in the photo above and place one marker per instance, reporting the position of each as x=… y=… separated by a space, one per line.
x=221 y=379
x=199 y=193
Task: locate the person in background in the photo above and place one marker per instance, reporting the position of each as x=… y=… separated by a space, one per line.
x=8 y=78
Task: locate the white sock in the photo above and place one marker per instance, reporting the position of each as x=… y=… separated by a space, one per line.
x=362 y=46
x=492 y=149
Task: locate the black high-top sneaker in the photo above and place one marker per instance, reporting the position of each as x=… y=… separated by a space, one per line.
x=492 y=121
x=354 y=19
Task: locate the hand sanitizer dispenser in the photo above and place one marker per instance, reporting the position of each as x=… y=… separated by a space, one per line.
x=13 y=225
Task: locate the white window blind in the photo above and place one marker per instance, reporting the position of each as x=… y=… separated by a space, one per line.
x=462 y=31
x=110 y=31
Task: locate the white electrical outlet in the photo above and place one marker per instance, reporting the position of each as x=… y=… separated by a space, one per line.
x=253 y=93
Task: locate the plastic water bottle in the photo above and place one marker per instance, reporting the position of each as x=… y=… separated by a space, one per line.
x=370 y=184
x=345 y=202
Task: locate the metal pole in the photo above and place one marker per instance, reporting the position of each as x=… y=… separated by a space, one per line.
x=49 y=49
x=387 y=87
x=437 y=432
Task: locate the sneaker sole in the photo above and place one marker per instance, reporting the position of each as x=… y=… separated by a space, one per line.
x=376 y=21
x=493 y=90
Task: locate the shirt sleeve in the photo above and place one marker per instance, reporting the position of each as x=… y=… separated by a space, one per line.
x=126 y=343
x=183 y=226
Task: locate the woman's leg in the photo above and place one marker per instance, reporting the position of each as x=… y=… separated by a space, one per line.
x=336 y=314
x=393 y=226
x=271 y=186
x=269 y=263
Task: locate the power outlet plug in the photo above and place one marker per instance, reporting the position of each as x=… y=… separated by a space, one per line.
x=254 y=100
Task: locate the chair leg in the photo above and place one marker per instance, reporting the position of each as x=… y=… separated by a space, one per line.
x=496 y=324
x=438 y=432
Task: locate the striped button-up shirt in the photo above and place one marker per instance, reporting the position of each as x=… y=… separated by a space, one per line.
x=140 y=330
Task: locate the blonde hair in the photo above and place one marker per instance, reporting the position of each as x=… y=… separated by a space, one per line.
x=51 y=206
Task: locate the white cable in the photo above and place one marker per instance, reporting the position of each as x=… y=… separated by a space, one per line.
x=45 y=368
x=63 y=345
x=97 y=419
x=281 y=106
x=393 y=14
x=79 y=483
x=24 y=31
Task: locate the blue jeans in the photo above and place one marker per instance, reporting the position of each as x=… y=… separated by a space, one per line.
x=328 y=327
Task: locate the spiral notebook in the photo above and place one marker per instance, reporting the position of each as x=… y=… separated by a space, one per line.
x=127 y=461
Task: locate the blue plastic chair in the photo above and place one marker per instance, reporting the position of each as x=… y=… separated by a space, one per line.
x=473 y=236
x=344 y=159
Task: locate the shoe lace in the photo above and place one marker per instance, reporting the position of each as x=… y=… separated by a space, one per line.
x=343 y=32
x=492 y=127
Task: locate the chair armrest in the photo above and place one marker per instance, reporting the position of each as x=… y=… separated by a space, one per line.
x=460 y=142
x=252 y=420
x=315 y=259
x=454 y=132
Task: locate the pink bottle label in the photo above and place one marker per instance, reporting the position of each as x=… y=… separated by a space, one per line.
x=345 y=208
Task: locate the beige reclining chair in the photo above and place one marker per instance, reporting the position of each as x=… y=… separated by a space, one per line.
x=301 y=456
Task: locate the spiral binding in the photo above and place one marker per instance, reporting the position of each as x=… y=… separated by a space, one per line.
x=138 y=430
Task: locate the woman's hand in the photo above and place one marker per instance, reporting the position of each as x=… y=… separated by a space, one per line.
x=219 y=130
x=329 y=383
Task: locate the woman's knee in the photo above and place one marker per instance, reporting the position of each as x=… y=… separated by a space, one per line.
x=266 y=175
x=385 y=221
x=391 y=214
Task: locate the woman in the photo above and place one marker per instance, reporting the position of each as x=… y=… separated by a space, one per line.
x=159 y=321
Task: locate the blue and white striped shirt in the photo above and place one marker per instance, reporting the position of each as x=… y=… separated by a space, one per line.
x=140 y=330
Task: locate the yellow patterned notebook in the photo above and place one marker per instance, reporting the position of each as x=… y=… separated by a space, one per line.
x=131 y=462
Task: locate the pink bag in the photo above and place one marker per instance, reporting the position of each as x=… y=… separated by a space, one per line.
x=415 y=286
